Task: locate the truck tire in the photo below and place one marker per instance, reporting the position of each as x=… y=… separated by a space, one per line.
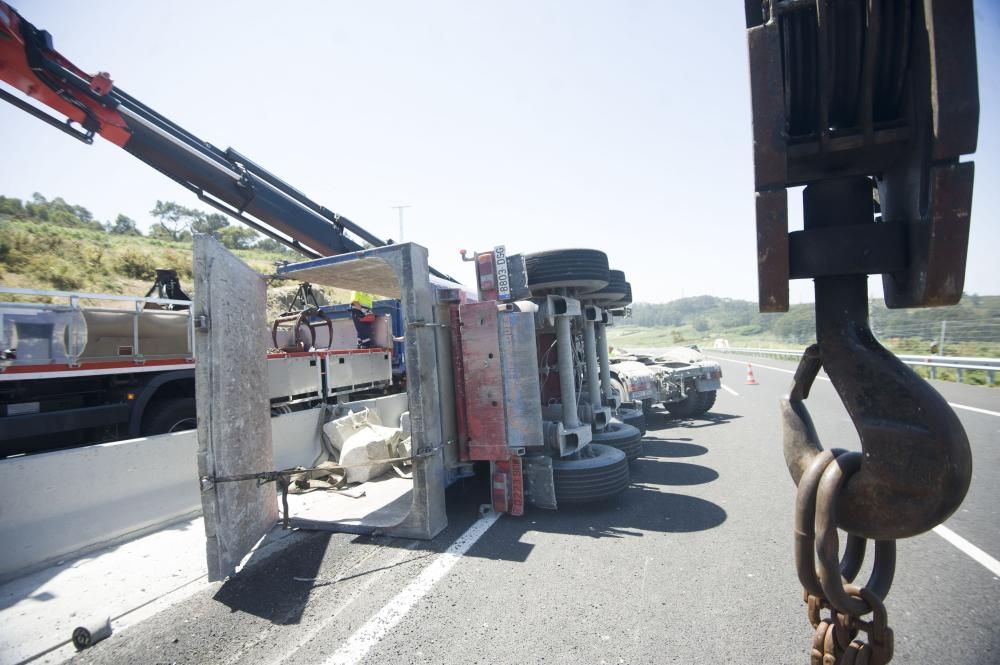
x=626 y=438
x=601 y=473
x=706 y=401
x=584 y=270
x=687 y=407
x=624 y=301
x=634 y=417
x=613 y=292
x=169 y=415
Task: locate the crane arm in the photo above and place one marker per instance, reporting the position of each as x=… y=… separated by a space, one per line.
x=225 y=179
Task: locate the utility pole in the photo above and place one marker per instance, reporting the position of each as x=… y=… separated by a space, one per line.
x=944 y=326
x=401 y=208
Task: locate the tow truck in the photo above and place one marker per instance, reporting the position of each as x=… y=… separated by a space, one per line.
x=515 y=378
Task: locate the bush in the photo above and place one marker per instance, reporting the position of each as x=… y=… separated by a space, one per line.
x=62 y=274
x=136 y=264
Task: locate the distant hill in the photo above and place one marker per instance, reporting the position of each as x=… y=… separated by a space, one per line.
x=972 y=326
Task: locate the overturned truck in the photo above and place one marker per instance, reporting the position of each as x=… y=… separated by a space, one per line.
x=517 y=379
x=679 y=378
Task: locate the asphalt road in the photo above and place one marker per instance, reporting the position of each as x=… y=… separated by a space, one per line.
x=693 y=564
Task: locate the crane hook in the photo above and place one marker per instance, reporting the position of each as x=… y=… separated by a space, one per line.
x=916 y=464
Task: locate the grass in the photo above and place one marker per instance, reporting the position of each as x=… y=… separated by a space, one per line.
x=45 y=256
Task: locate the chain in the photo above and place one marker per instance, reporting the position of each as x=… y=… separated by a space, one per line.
x=836 y=608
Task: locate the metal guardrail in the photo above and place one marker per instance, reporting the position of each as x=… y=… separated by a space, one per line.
x=960 y=364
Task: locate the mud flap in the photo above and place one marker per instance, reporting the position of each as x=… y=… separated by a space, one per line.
x=234 y=429
x=539 y=485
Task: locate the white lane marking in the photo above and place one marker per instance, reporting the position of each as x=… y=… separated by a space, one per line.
x=373 y=577
x=968 y=548
x=371 y=633
x=729 y=390
x=972 y=408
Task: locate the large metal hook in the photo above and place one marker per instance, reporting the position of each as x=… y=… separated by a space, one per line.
x=916 y=465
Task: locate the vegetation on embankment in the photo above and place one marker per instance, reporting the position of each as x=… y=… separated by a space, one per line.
x=56 y=245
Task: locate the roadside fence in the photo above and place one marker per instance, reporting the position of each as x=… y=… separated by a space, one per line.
x=960 y=365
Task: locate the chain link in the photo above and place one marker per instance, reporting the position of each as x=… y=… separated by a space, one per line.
x=835 y=607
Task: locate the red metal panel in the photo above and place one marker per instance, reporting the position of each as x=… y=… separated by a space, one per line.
x=483 y=382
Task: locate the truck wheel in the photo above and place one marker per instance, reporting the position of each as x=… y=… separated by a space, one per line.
x=634 y=417
x=624 y=301
x=706 y=401
x=687 y=407
x=626 y=438
x=613 y=292
x=169 y=415
x=585 y=270
x=599 y=474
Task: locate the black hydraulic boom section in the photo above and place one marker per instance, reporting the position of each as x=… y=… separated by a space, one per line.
x=225 y=179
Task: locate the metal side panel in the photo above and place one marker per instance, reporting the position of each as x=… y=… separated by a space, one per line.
x=522 y=398
x=234 y=432
x=484 y=394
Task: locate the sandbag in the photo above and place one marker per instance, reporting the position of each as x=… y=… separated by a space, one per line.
x=361 y=442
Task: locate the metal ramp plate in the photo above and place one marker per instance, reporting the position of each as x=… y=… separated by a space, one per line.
x=234 y=428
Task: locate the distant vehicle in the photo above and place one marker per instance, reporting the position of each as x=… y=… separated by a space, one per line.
x=685 y=381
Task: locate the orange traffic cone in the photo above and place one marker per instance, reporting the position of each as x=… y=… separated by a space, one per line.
x=750 y=380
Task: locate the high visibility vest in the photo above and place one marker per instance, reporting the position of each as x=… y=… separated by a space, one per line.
x=364 y=298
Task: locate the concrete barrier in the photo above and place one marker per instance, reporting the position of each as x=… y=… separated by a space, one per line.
x=71 y=501
x=66 y=503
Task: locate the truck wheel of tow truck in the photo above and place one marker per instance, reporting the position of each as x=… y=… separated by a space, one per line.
x=634 y=417
x=585 y=270
x=622 y=436
x=169 y=415
x=600 y=474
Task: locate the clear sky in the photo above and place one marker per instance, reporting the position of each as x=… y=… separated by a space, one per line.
x=618 y=125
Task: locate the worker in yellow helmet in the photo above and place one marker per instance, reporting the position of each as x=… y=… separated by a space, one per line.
x=364 y=299
x=364 y=318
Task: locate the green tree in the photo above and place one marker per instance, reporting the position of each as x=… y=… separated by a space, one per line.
x=236 y=237
x=11 y=206
x=270 y=245
x=160 y=232
x=175 y=219
x=211 y=223
x=124 y=226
